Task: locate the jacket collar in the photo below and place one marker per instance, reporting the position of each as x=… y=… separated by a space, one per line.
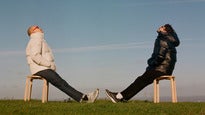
x=37 y=35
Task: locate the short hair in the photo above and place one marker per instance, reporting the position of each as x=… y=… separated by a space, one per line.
x=169 y=28
x=29 y=30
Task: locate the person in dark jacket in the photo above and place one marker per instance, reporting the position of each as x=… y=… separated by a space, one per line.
x=162 y=62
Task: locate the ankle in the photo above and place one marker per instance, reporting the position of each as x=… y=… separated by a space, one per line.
x=85 y=98
x=119 y=96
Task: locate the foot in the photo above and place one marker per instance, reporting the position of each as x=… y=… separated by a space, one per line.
x=112 y=96
x=92 y=96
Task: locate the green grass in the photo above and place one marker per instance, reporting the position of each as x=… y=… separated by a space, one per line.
x=100 y=107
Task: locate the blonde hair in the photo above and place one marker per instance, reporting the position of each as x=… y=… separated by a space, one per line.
x=30 y=29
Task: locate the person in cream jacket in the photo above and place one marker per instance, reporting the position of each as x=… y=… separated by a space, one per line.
x=41 y=61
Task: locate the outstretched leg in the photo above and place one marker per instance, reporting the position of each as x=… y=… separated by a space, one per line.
x=53 y=77
x=140 y=83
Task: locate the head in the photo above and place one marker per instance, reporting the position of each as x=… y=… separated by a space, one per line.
x=169 y=28
x=166 y=28
x=33 y=29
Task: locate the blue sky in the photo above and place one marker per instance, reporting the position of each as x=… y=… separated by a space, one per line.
x=101 y=43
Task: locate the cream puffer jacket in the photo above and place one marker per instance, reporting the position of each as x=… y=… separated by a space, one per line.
x=39 y=55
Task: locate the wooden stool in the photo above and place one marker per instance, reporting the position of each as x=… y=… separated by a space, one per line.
x=173 y=88
x=28 y=89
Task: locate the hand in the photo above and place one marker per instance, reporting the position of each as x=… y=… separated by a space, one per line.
x=53 y=67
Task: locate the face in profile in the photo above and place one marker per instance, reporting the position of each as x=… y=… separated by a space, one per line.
x=34 y=29
x=161 y=29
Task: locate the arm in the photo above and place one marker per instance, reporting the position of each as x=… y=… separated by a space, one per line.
x=159 y=53
x=36 y=53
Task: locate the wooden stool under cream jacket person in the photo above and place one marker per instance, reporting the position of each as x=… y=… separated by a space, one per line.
x=41 y=61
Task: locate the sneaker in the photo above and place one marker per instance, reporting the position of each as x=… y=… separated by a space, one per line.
x=92 y=96
x=112 y=96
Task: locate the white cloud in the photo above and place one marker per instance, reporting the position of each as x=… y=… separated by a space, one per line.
x=104 y=47
x=9 y=53
x=144 y=3
x=183 y=1
x=85 y=49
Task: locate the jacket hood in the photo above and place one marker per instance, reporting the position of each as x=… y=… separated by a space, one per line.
x=172 y=37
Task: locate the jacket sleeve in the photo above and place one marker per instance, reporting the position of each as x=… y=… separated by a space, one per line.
x=158 y=56
x=36 y=53
x=174 y=39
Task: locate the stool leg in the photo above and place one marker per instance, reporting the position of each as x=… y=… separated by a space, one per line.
x=45 y=91
x=30 y=89
x=172 y=90
x=175 y=92
x=155 y=91
x=26 y=89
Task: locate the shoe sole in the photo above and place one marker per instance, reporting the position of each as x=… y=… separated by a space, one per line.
x=107 y=93
x=97 y=93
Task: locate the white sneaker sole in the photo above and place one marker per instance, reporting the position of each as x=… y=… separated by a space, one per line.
x=110 y=97
x=96 y=95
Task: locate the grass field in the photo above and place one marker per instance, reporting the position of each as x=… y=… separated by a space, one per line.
x=100 y=107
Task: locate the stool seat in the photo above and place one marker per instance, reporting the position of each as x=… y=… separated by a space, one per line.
x=173 y=88
x=28 y=88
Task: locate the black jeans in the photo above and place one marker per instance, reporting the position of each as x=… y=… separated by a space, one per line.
x=53 y=77
x=140 y=83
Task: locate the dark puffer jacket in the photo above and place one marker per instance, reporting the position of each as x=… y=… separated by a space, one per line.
x=163 y=58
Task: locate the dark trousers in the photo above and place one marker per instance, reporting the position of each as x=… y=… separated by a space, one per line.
x=53 y=77
x=140 y=83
